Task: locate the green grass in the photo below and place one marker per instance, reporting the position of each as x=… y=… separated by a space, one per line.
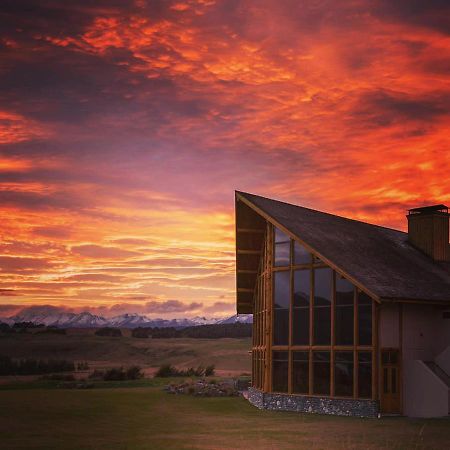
x=148 y=418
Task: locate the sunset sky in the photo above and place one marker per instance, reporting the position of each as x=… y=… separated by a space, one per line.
x=126 y=126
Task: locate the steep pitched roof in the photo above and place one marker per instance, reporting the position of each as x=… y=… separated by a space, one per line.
x=378 y=259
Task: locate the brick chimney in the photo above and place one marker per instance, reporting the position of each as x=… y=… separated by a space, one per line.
x=428 y=231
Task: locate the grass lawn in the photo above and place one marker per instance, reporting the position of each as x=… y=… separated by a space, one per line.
x=148 y=418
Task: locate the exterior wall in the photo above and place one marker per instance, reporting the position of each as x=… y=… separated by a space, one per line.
x=426 y=337
x=425 y=395
x=389 y=333
x=422 y=334
x=317 y=405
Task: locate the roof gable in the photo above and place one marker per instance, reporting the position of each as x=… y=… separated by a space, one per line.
x=377 y=258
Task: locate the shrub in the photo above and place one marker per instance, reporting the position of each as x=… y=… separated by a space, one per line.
x=167 y=370
x=142 y=333
x=134 y=373
x=52 y=330
x=82 y=365
x=108 y=331
x=9 y=366
x=58 y=377
x=117 y=374
x=210 y=370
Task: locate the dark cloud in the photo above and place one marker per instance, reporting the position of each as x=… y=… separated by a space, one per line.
x=8 y=293
x=433 y=14
x=383 y=108
x=171 y=306
x=15 y=264
x=101 y=252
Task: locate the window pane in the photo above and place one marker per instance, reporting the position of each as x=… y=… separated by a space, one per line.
x=300 y=375
x=302 y=286
x=343 y=374
x=321 y=373
x=344 y=311
x=322 y=306
x=281 y=289
x=364 y=319
x=282 y=254
x=281 y=327
x=280 y=236
x=280 y=372
x=301 y=255
x=365 y=374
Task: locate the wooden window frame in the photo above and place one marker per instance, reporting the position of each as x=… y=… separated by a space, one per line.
x=269 y=347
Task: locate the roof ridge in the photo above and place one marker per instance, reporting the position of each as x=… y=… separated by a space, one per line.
x=321 y=212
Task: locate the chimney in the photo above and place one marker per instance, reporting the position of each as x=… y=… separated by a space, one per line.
x=428 y=231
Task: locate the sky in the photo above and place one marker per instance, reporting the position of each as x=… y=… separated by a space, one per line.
x=126 y=126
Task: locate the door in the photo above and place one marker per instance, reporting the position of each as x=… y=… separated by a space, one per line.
x=390 y=381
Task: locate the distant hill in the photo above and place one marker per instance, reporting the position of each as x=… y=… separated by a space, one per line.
x=54 y=317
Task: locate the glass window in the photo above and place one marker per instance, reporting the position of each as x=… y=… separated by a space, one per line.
x=321 y=373
x=282 y=249
x=322 y=306
x=344 y=311
x=364 y=319
x=302 y=287
x=343 y=374
x=364 y=374
x=281 y=307
x=301 y=255
x=280 y=371
x=300 y=375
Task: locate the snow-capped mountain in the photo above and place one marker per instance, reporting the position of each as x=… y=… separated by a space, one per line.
x=53 y=316
x=238 y=318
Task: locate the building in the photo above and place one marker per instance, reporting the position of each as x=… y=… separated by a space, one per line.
x=349 y=318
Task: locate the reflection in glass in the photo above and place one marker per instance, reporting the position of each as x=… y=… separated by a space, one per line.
x=300 y=374
x=302 y=286
x=301 y=255
x=282 y=254
x=364 y=374
x=344 y=311
x=280 y=236
x=343 y=374
x=321 y=370
x=364 y=319
x=281 y=307
x=280 y=371
x=322 y=306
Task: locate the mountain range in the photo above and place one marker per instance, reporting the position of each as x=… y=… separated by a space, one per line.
x=55 y=318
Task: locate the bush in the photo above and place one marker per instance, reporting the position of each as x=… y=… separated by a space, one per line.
x=117 y=374
x=168 y=370
x=52 y=330
x=210 y=370
x=142 y=333
x=58 y=377
x=108 y=331
x=83 y=365
x=9 y=366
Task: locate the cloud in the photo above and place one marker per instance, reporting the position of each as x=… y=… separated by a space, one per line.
x=102 y=252
x=17 y=264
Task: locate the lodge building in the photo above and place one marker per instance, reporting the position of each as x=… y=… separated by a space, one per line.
x=349 y=318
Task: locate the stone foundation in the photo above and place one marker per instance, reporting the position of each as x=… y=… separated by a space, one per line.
x=318 y=405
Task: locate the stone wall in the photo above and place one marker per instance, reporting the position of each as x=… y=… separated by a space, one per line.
x=318 y=405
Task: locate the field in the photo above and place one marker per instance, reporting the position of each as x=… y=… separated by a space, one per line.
x=36 y=414
x=230 y=356
x=148 y=418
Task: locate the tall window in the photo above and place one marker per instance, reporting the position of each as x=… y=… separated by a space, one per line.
x=364 y=374
x=343 y=374
x=280 y=363
x=322 y=306
x=300 y=372
x=281 y=300
x=344 y=311
x=282 y=249
x=321 y=373
x=301 y=302
x=364 y=319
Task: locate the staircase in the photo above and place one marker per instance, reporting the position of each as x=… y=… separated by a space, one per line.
x=441 y=374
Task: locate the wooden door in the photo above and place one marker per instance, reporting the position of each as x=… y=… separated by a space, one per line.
x=390 y=381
